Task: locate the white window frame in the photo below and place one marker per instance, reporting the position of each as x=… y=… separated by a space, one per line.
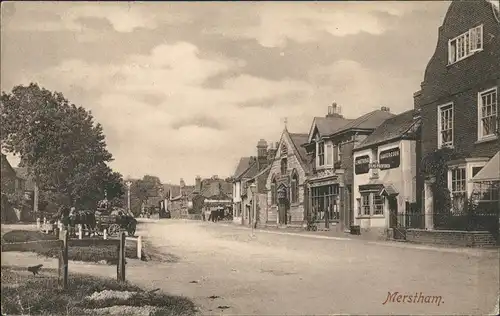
x=464 y=45
x=321 y=145
x=464 y=182
x=329 y=155
x=440 y=127
x=480 y=135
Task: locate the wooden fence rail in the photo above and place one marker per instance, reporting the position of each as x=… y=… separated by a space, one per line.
x=63 y=243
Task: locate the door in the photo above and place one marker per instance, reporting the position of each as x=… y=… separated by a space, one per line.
x=398 y=229
x=282 y=212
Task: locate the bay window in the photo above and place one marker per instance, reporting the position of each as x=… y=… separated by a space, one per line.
x=370 y=203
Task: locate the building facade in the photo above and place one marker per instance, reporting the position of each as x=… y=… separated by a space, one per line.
x=458 y=99
x=385 y=169
x=286 y=193
x=330 y=143
x=248 y=170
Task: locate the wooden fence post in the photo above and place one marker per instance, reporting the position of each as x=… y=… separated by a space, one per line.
x=63 y=261
x=80 y=231
x=121 y=258
x=105 y=233
x=139 y=247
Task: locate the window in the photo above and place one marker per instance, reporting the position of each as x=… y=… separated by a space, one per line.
x=284 y=163
x=325 y=198
x=487 y=191
x=488 y=113
x=321 y=153
x=458 y=188
x=274 y=194
x=294 y=188
x=329 y=155
x=465 y=45
x=365 y=204
x=378 y=204
x=445 y=125
x=371 y=203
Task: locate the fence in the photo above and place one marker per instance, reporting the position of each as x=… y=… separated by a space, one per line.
x=63 y=243
x=47 y=228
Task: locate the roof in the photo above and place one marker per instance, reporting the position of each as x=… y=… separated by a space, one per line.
x=5 y=163
x=329 y=125
x=370 y=120
x=392 y=128
x=490 y=172
x=174 y=189
x=298 y=140
x=242 y=166
x=216 y=188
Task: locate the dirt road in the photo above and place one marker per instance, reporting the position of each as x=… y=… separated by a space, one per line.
x=282 y=274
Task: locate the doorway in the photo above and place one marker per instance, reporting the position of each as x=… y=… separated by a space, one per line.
x=282 y=212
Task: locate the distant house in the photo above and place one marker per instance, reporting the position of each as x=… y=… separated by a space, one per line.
x=210 y=194
x=180 y=205
x=250 y=170
x=12 y=182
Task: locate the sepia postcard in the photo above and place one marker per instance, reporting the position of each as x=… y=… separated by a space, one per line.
x=250 y=158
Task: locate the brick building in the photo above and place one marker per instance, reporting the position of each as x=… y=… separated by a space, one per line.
x=330 y=143
x=458 y=99
x=290 y=167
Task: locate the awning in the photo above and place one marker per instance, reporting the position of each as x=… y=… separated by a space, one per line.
x=388 y=190
x=490 y=172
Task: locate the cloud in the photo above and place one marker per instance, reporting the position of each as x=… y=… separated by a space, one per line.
x=303 y=22
x=80 y=17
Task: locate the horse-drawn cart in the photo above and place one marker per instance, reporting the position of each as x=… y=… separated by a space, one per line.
x=114 y=220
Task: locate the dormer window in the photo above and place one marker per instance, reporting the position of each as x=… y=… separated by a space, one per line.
x=465 y=45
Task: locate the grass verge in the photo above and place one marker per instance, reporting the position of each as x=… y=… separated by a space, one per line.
x=24 y=294
x=86 y=254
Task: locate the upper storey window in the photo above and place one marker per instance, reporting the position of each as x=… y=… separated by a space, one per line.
x=465 y=44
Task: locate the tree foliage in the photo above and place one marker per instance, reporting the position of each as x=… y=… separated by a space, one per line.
x=61 y=145
x=142 y=190
x=434 y=165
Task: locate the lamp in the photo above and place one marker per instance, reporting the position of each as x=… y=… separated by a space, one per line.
x=253 y=189
x=128 y=183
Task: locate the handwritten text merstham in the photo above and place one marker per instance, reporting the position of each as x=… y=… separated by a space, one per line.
x=417 y=298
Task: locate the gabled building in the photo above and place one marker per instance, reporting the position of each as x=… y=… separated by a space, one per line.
x=211 y=194
x=180 y=205
x=330 y=142
x=385 y=169
x=286 y=193
x=250 y=170
x=458 y=100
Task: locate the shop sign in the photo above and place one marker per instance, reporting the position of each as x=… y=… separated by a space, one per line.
x=390 y=158
x=362 y=164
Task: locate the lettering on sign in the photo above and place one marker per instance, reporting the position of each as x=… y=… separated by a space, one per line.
x=362 y=164
x=390 y=158
x=377 y=165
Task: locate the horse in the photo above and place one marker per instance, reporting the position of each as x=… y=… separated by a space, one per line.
x=86 y=218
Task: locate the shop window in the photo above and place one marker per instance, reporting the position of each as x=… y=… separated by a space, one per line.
x=370 y=203
x=378 y=204
x=365 y=204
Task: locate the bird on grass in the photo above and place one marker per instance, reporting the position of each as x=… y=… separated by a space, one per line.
x=35 y=269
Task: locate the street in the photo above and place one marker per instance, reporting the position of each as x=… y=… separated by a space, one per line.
x=285 y=274
x=222 y=268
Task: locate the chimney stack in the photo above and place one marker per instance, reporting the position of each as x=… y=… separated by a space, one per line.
x=334 y=111
x=261 y=154
x=385 y=109
x=197 y=186
x=271 y=152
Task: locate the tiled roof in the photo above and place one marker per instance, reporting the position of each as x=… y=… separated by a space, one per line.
x=329 y=125
x=370 y=120
x=392 y=128
x=216 y=187
x=298 y=140
x=242 y=166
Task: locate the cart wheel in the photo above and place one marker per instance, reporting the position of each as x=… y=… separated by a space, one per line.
x=113 y=229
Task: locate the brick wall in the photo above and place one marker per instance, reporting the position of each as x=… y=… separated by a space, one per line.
x=460 y=82
x=451 y=237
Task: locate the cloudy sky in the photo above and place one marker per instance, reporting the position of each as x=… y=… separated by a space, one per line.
x=188 y=88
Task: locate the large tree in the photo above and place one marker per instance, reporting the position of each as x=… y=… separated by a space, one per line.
x=62 y=146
